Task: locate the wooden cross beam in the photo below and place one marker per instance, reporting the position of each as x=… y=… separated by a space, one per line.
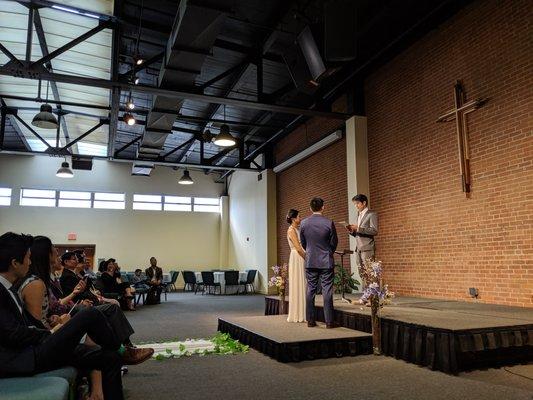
x=458 y=113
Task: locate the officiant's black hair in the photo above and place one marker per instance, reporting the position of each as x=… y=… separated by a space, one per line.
x=360 y=197
x=292 y=214
x=316 y=204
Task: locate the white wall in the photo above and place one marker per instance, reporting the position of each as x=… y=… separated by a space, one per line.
x=252 y=230
x=180 y=240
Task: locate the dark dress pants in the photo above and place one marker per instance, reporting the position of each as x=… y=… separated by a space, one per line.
x=63 y=348
x=326 y=276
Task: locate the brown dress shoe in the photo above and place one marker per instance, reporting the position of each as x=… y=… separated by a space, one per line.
x=133 y=356
x=311 y=324
x=331 y=326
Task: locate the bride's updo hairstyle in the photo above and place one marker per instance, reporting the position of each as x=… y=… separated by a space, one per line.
x=291 y=214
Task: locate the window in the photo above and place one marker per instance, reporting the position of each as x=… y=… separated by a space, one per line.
x=147 y=202
x=206 y=204
x=37 y=145
x=92 y=149
x=74 y=199
x=38 y=197
x=116 y=201
x=176 y=203
x=5 y=196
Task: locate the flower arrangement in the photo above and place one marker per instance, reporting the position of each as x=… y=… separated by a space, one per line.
x=374 y=290
x=377 y=295
x=279 y=280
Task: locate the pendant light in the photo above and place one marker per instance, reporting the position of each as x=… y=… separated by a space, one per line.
x=130 y=105
x=186 y=179
x=224 y=138
x=65 y=171
x=129 y=119
x=44 y=118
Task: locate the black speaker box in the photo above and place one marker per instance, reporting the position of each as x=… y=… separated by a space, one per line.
x=82 y=163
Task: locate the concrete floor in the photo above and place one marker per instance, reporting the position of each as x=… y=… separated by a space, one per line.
x=255 y=376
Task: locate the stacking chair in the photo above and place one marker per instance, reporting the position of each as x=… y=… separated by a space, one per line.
x=208 y=278
x=189 y=278
x=173 y=278
x=232 y=279
x=250 y=279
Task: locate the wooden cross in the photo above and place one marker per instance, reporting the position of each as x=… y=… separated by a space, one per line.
x=462 y=108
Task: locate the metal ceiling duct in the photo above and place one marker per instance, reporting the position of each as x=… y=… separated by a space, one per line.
x=193 y=34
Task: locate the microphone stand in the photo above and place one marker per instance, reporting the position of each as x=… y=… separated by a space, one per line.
x=343 y=281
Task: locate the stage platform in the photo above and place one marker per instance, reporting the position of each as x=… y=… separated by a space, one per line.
x=449 y=336
x=294 y=342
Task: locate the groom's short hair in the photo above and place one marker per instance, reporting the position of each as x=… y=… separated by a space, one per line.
x=316 y=204
x=361 y=198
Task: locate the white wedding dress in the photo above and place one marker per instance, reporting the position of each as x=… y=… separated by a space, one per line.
x=297 y=284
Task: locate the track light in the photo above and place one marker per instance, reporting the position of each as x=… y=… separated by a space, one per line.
x=136 y=80
x=130 y=105
x=65 y=171
x=139 y=61
x=128 y=119
x=186 y=179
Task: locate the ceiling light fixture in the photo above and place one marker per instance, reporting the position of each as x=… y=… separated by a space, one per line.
x=65 y=171
x=129 y=119
x=186 y=179
x=130 y=105
x=224 y=138
x=44 y=118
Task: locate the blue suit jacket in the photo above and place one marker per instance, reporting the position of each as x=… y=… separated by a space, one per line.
x=319 y=239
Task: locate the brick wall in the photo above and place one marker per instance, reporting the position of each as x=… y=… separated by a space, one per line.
x=433 y=241
x=323 y=174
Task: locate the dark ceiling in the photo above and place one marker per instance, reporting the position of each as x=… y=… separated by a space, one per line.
x=255 y=34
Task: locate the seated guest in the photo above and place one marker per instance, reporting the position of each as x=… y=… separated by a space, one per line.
x=42 y=297
x=155 y=281
x=71 y=276
x=27 y=348
x=35 y=290
x=139 y=279
x=113 y=284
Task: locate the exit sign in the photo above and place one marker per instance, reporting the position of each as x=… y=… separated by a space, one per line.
x=72 y=236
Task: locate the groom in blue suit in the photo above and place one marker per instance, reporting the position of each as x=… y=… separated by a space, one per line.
x=319 y=239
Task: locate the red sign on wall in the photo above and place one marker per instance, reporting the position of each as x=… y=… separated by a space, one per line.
x=72 y=236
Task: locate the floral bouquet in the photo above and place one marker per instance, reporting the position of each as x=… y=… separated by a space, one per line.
x=279 y=280
x=374 y=290
x=377 y=295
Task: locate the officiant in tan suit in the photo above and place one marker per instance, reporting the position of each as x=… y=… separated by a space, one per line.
x=365 y=230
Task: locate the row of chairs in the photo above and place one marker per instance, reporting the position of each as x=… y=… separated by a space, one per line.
x=208 y=284
x=140 y=292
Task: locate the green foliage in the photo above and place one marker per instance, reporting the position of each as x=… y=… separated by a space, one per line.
x=224 y=344
x=349 y=282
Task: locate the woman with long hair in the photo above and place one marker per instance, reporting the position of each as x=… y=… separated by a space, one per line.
x=297 y=282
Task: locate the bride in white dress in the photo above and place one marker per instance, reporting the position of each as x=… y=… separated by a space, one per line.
x=297 y=282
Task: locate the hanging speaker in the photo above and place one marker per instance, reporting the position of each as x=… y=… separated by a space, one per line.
x=340 y=30
x=304 y=62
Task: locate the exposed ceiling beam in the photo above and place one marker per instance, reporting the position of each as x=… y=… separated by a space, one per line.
x=114 y=95
x=12 y=70
x=14 y=124
x=44 y=50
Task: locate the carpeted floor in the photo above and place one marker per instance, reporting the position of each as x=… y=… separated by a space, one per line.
x=255 y=376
